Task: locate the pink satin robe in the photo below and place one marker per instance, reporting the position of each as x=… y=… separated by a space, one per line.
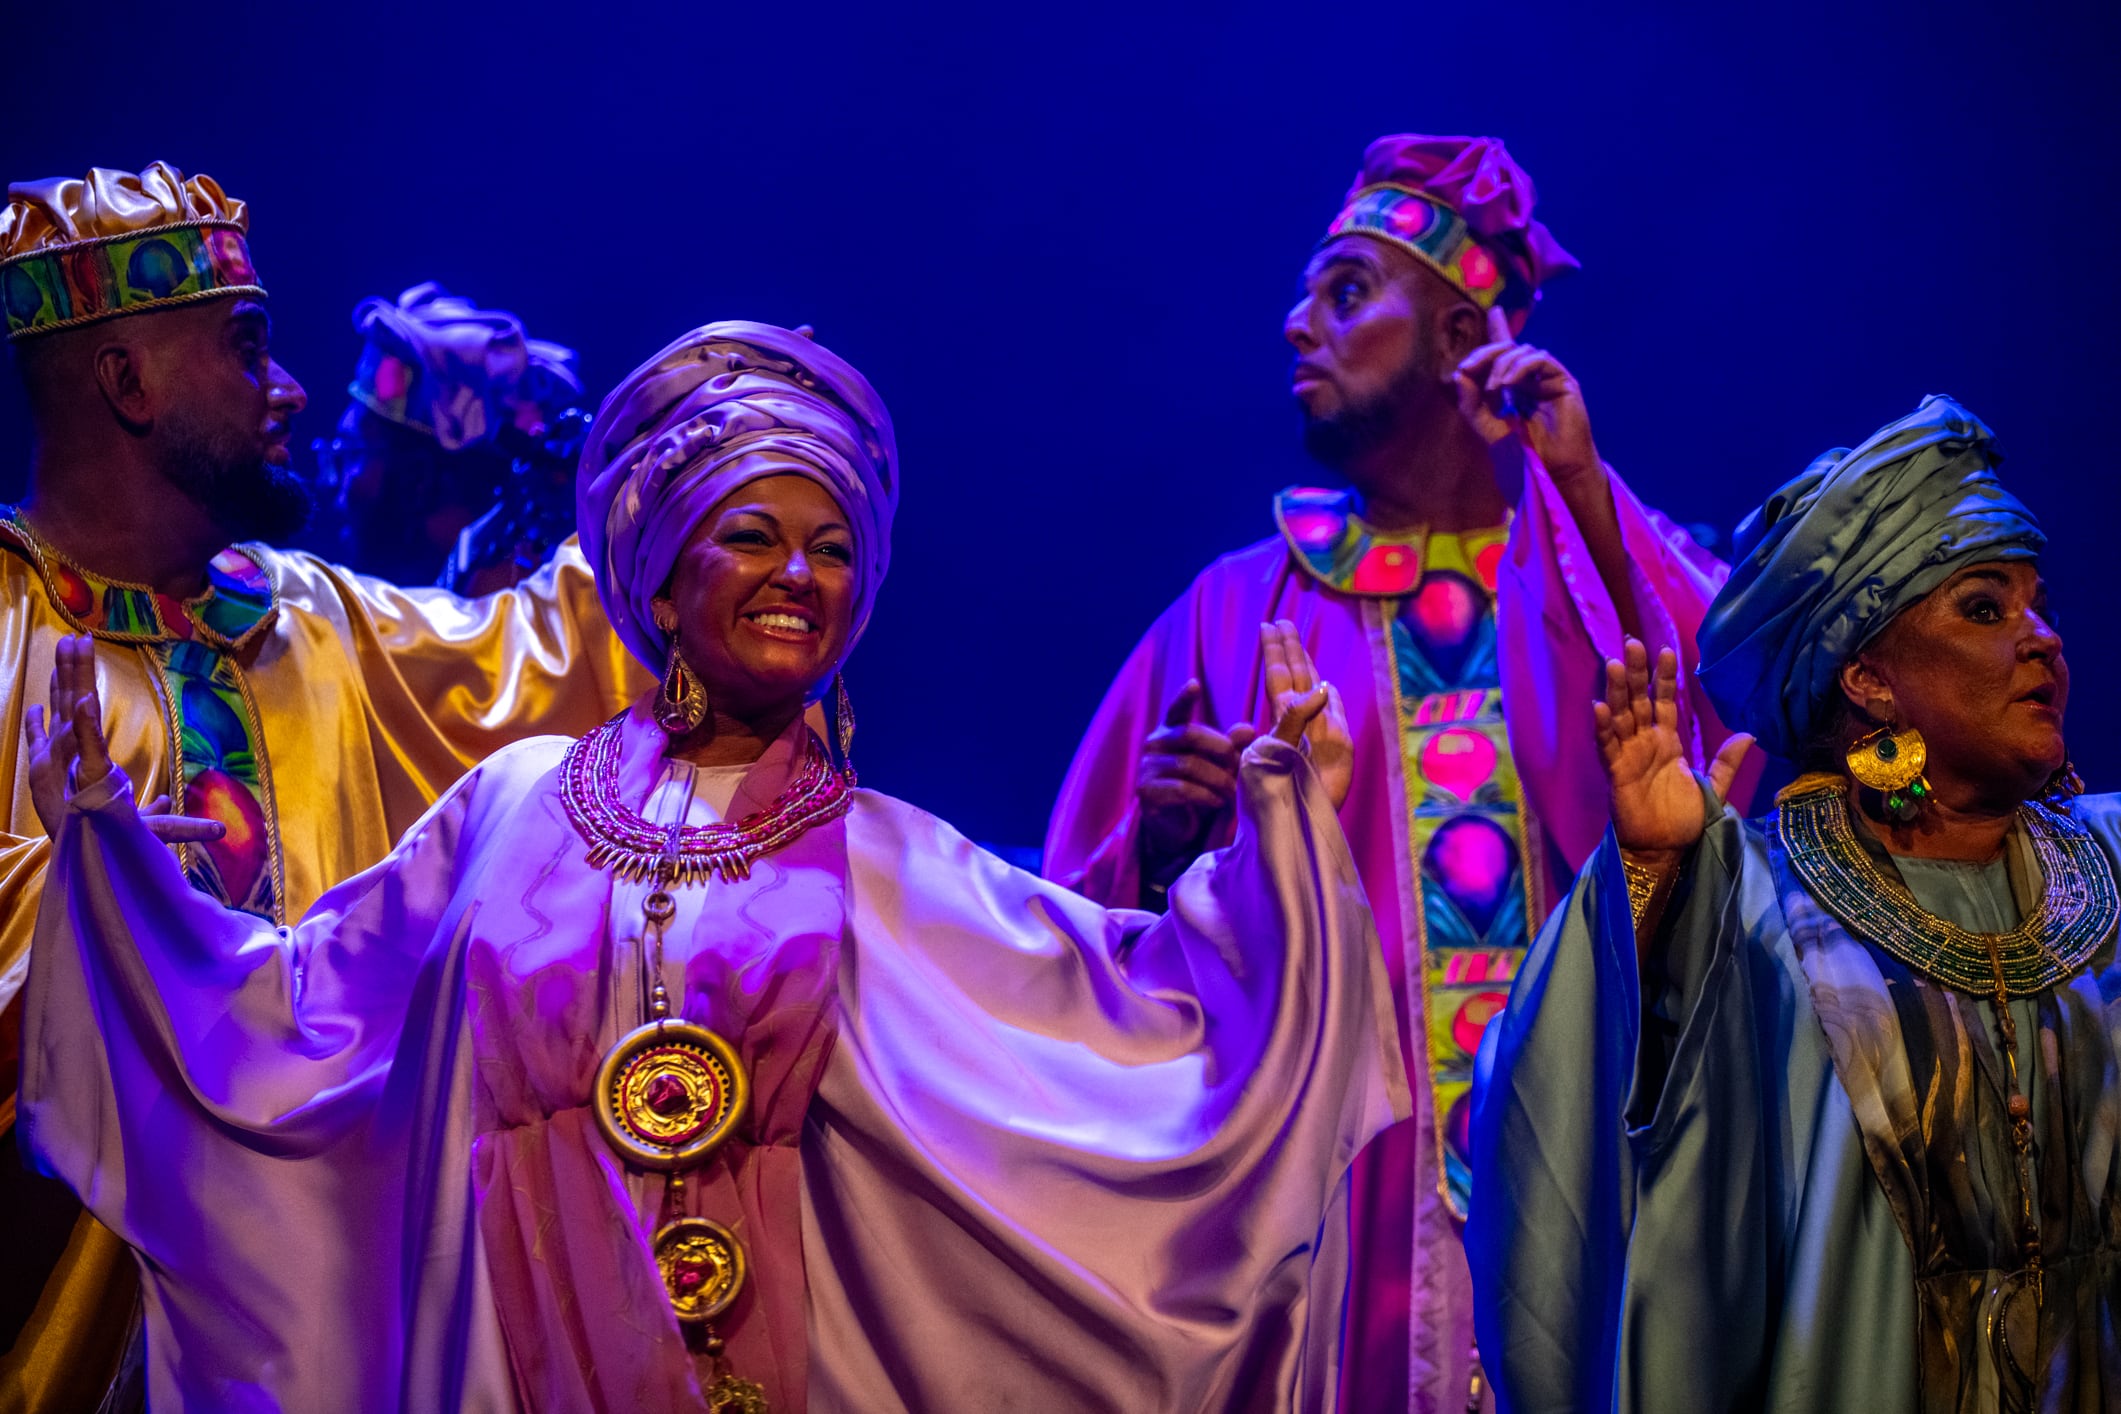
x=1009 y=1149
x=1410 y=1342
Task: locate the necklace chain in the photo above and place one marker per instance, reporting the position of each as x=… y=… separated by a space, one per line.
x=623 y=840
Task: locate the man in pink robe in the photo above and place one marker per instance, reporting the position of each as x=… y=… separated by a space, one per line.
x=1463 y=595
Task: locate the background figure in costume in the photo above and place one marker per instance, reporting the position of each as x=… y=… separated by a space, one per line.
x=1822 y=1110
x=1004 y=1148
x=454 y=459
x=1480 y=566
x=312 y=712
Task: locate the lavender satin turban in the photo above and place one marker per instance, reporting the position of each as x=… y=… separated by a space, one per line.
x=725 y=405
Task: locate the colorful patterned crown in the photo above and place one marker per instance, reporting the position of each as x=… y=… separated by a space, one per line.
x=1432 y=233
x=80 y=282
x=74 y=250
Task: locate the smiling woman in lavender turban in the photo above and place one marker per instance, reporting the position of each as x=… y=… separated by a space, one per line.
x=665 y=1069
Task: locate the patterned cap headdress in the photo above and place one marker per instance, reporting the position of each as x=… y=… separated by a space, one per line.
x=77 y=250
x=443 y=366
x=1460 y=206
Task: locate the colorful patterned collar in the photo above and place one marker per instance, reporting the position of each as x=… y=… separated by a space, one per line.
x=239 y=599
x=1344 y=552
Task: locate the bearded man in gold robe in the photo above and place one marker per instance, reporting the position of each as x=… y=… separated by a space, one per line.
x=309 y=712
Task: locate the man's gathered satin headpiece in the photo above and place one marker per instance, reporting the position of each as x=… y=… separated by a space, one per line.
x=1463 y=208
x=76 y=250
x=726 y=405
x=1825 y=565
x=441 y=365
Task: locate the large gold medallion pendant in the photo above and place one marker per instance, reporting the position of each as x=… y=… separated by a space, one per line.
x=702 y=1265
x=669 y=1093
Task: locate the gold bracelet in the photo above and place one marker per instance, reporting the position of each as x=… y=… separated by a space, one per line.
x=1645 y=885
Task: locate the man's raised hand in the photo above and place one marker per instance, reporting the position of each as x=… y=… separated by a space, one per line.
x=1187 y=777
x=1510 y=389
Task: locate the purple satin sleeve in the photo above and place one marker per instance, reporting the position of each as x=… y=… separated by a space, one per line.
x=185 y=1065
x=1121 y=1136
x=1557 y=624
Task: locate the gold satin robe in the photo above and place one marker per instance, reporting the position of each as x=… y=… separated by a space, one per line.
x=370 y=701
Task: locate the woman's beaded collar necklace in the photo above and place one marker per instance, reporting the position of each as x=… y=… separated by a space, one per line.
x=2075 y=916
x=627 y=842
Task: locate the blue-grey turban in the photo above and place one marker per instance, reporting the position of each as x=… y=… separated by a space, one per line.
x=1834 y=555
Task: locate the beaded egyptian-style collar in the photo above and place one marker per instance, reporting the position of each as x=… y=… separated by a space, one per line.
x=2074 y=917
x=1341 y=550
x=239 y=596
x=627 y=842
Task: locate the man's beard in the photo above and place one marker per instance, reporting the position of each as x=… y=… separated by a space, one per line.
x=1337 y=441
x=246 y=495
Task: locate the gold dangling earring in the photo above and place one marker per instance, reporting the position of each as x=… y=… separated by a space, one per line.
x=1891 y=763
x=843 y=722
x=2065 y=785
x=680 y=699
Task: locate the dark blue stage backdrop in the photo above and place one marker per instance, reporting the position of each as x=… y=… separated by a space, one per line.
x=1061 y=242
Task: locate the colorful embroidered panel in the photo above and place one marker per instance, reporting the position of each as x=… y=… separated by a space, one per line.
x=1468 y=827
x=1337 y=548
x=219 y=767
x=126 y=274
x=221 y=764
x=1469 y=830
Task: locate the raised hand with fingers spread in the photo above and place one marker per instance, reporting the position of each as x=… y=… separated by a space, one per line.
x=1654 y=796
x=67 y=753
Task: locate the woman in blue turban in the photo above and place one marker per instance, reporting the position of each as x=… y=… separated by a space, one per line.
x=1822 y=1111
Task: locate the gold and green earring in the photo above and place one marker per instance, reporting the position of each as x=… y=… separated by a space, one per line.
x=1891 y=763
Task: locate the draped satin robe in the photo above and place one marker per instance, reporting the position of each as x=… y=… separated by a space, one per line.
x=1674 y=1208
x=1012 y=1150
x=371 y=701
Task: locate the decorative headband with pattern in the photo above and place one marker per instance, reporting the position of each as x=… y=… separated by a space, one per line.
x=384 y=383
x=64 y=286
x=1431 y=232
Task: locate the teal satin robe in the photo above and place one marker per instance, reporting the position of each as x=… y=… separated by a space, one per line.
x=1674 y=1209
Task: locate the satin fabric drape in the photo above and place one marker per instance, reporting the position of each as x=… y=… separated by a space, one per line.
x=1057 y=1156
x=1412 y=1343
x=373 y=700
x=1674 y=1209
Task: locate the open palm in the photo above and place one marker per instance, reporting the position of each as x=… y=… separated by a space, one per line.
x=1307 y=710
x=1654 y=797
x=67 y=753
